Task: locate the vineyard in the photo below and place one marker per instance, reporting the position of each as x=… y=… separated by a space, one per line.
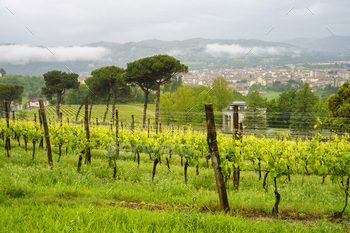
x=69 y=113
x=289 y=178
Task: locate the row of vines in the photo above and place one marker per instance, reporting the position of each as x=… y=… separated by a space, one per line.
x=269 y=157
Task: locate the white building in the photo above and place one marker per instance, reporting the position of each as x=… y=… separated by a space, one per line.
x=227 y=115
x=34 y=103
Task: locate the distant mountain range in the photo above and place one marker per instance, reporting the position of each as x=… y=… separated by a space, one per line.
x=335 y=44
x=196 y=53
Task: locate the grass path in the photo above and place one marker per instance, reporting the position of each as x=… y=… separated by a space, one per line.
x=140 y=109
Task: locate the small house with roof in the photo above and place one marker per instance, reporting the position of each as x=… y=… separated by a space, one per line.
x=227 y=115
x=34 y=103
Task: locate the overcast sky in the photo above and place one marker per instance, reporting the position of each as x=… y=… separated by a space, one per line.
x=78 y=22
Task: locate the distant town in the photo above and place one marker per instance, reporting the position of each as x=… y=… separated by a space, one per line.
x=242 y=79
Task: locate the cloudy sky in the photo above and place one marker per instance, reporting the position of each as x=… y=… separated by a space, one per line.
x=78 y=22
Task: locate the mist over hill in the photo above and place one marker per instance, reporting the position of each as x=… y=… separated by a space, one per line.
x=197 y=53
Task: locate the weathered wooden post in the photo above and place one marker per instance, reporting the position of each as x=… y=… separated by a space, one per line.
x=149 y=122
x=236 y=172
x=215 y=157
x=116 y=143
x=87 y=129
x=46 y=134
x=41 y=143
x=8 y=140
x=132 y=123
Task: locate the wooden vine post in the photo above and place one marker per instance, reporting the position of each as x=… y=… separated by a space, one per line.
x=215 y=157
x=87 y=130
x=46 y=134
x=132 y=123
x=41 y=144
x=116 y=143
x=8 y=140
x=236 y=136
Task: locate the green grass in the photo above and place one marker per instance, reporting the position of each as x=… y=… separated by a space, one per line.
x=34 y=198
x=272 y=94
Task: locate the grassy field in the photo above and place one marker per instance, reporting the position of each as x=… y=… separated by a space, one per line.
x=272 y=94
x=34 y=198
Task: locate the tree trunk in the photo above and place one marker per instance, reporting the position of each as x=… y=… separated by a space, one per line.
x=76 y=118
x=108 y=100
x=145 y=109
x=157 y=109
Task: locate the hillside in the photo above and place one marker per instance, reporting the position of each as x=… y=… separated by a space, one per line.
x=335 y=44
x=196 y=53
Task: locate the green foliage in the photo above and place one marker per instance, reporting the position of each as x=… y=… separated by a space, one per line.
x=11 y=92
x=339 y=107
x=173 y=86
x=184 y=103
x=285 y=103
x=221 y=92
x=272 y=109
x=57 y=82
x=22 y=114
x=255 y=114
x=303 y=117
x=32 y=84
x=327 y=91
x=321 y=108
x=2 y=72
x=290 y=85
x=140 y=96
x=167 y=107
x=110 y=80
x=160 y=69
x=76 y=96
